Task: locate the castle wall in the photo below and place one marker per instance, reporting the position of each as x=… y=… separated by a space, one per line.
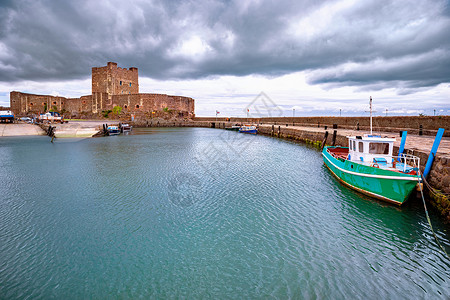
x=22 y=103
x=153 y=102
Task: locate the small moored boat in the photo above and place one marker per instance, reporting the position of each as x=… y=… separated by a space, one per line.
x=233 y=128
x=125 y=128
x=248 y=129
x=113 y=130
x=368 y=166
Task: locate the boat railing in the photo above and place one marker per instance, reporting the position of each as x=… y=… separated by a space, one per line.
x=408 y=161
x=405 y=163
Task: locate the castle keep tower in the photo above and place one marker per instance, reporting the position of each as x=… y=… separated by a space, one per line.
x=115 y=81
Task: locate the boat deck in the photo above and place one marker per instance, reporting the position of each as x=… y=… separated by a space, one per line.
x=393 y=165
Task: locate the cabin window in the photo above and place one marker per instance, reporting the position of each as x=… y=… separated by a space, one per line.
x=361 y=147
x=354 y=145
x=121 y=82
x=350 y=146
x=379 y=148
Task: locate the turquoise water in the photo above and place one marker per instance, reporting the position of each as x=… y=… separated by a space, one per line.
x=202 y=213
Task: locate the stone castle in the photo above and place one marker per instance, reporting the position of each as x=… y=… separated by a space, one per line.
x=111 y=86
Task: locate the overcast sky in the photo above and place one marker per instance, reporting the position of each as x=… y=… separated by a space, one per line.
x=317 y=57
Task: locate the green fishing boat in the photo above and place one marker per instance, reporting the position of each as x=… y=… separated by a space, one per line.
x=368 y=166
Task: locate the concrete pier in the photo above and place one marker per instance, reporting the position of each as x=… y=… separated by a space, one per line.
x=73 y=129
x=78 y=129
x=21 y=129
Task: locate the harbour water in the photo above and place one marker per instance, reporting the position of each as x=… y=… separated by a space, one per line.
x=202 y=213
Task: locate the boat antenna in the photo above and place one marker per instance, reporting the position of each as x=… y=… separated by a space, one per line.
x=370 y=115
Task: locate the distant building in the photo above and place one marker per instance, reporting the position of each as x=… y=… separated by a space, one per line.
x=111 y=86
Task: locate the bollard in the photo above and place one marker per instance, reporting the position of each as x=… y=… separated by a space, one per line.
x=279 y=131
x=333 y=141
x=273 y=129
x=324 y=139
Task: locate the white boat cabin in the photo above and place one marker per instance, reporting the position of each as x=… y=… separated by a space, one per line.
x=370 y=149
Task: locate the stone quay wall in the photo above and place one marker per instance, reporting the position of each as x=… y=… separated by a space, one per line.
x=430 y=124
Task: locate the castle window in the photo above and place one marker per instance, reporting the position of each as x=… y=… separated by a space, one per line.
x=137 y=105
x=54 y=102
x=43 y=103
x=84 y=102
x=121 y=82
x=130 y=83
x=31 y=104
x=125 y=106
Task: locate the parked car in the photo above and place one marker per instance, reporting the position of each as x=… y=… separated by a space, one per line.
x=25 y=119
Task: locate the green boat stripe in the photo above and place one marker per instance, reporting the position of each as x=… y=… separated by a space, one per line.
x=370 y=175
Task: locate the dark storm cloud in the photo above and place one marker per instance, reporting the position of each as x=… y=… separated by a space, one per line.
x=376 y=44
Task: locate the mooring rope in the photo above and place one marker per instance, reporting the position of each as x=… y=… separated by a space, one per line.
x=433 y=190
x=429 y=221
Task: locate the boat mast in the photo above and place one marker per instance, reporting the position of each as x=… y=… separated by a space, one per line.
x=370 y=115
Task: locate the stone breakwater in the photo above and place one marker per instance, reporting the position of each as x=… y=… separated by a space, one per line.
x=424 y=125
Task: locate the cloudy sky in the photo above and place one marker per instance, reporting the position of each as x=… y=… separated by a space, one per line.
x=317 y=57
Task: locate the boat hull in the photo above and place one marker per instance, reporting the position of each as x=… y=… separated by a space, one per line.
x=382 y=184
x=254 y=131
